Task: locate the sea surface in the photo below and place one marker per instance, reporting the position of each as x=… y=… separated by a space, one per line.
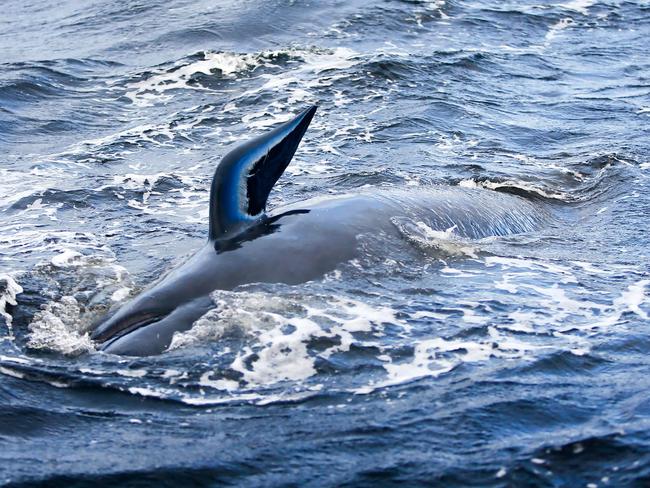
x=512 y=361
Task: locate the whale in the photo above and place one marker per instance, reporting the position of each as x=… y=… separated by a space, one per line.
x=294 y=243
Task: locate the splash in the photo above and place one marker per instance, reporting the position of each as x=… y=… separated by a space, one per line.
x=440 y=243
x=9 y=288
x=281 y=331
x=60 y=327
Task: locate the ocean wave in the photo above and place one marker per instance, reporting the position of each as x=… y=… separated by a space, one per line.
x=590 y=181
x=112 y=120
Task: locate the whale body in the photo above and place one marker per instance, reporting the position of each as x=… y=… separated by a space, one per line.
x=295 y=243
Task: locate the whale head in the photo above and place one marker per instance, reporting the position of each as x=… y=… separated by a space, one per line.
x=140 y=312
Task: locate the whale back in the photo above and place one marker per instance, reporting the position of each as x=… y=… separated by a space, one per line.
x=245 y=176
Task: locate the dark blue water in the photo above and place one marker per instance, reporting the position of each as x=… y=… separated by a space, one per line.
x=509 y=361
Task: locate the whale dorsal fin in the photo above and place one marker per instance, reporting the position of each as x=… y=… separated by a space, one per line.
x=245 y=176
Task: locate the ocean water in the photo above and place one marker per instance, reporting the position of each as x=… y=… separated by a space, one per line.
x=511 y=361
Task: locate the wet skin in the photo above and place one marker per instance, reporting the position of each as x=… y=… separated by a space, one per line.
x=299 y=243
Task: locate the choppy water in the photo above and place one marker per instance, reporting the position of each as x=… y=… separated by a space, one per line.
x=505 y=361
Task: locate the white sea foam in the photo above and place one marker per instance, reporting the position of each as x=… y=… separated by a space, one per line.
x=561 y=309
x=19 y=184
x=219 y=384
x=62 y=324
x=310 y=70
x=282 y=356
x=9 y=288
x=281 y=330
x=11 y=372
x=494 y=185
x=60 y=254
x=581 y=6
x=436 y=356
x=142 y=133
x=304 y=77
x=556 y=28
x=60 y=327
x=189 y=202
x=564 y=272
x=121 y=293
x=223 y=64
x=132 y=373
x=632 y=299
x=426 y=238
x=292 y=81
x=67 y=258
